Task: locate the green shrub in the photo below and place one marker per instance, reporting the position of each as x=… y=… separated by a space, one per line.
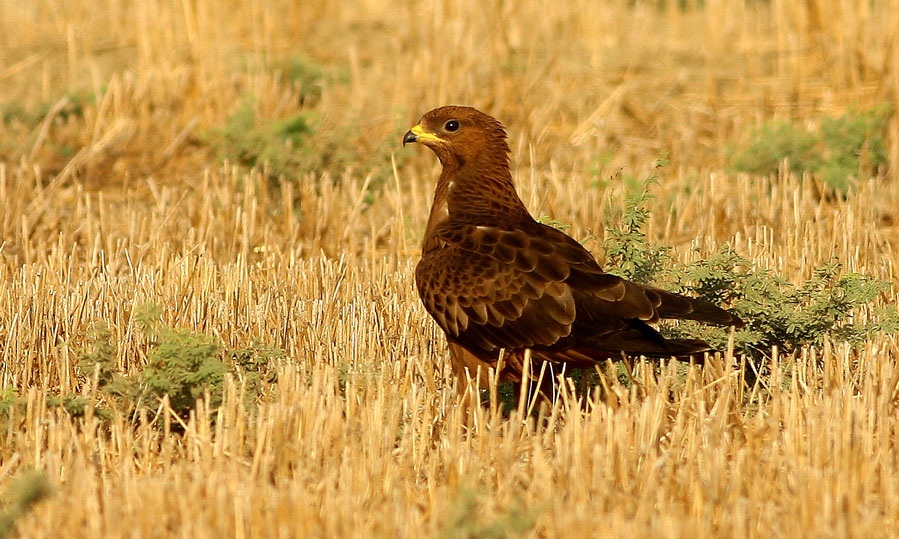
x=776 y=312
x=255 y=142
x=841 y=149
x=12 y=408
x=774 y=142
x=306 y=77
x=71 y=105
x=253 y=365
x=20 y=127
x=296 y=143
x=294 y=146
x=22 y=493
x=852 y=144
x=468 y=519
x=181 y=365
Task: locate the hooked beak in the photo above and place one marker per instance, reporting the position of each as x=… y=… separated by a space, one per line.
x=418 y=134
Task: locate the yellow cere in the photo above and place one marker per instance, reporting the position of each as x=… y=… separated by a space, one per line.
x=424 y=136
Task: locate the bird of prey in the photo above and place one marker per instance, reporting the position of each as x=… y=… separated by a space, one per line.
x=494 y=279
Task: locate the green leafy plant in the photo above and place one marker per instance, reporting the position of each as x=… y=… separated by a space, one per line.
x=71 y=105
x=774 y=142
x=467 y=519
x=839 y=150
x=777 y=312
x=555 y=223
x=11 y=408
x=852 y=144
x=294 y=146
x=21 y=128
x=628 y=253
x=255 y=142
x=182 y=366
x=306 y=77
x=23 y=492
x=100 y=358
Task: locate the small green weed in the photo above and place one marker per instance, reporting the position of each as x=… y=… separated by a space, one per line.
x=21 y=127
x=306 y=77
x=853 y=144
x=23 y=492
x=12 y=409
x=255 y=142
x=297 y=143
x=70 y=106
x=466 y=520
x=773 y=143
x=628 y=253
x=181 y=365
x=253 y=365
x=293 y=146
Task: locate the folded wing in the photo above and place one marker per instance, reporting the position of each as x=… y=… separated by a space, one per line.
x=489 y=287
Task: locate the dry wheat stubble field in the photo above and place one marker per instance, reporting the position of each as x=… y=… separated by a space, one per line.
x=125 y=182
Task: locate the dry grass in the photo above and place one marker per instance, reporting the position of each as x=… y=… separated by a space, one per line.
x=362 y=434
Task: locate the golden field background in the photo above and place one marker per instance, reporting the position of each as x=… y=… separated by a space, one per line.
x=125 y=202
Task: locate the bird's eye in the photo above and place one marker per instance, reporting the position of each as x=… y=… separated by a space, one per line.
x=451 y=126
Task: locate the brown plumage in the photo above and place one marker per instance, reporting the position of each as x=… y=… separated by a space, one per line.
x=494 y=278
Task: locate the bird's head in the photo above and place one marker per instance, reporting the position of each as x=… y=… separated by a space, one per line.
x=460 y=135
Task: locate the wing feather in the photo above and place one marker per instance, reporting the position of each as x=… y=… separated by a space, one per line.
x=492 y=288
x=510 y=306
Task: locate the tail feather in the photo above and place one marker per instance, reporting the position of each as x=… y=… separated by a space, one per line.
x=675 y=306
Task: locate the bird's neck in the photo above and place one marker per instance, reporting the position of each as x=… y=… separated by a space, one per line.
x=478 y=194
